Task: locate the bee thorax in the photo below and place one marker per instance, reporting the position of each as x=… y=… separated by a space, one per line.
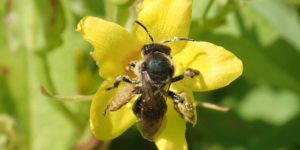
x=158 y=67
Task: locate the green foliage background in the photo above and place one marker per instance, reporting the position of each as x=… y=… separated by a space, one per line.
x=38 y=46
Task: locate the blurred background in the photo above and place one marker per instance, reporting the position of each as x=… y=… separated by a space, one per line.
x=39 y=46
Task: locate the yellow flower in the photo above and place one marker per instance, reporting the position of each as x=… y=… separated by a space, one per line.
x=115 y=48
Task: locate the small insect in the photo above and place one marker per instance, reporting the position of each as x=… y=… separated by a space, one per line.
x=154 y=77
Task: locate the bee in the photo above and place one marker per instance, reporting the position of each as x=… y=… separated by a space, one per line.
x=154 y=76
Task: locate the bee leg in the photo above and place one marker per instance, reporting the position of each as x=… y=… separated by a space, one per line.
x=138 y=103
x=106 y=108
x=183 y=105
x=122 y=78
x=187 y=73
x=137 y=106
x=131 y=65
x=124 y=95
x=137 y=90
x=175 y=97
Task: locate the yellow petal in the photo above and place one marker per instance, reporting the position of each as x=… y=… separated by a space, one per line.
x=173 y=136
x=164 y=20
x=114 y=46
x=218 y=67
x=114 y=123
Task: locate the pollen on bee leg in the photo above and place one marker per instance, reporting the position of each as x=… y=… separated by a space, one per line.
x=129 y=105
x=123 y=96
x=186 y=108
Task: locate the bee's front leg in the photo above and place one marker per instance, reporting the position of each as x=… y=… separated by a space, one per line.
x=187 y=73
x=131 y=65
x=122 y=78
x=183 y=105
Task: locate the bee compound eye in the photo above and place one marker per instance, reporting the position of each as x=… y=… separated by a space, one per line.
x=144 y=66
x=146 y=49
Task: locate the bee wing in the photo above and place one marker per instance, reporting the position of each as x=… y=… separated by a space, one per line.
x=153 y=107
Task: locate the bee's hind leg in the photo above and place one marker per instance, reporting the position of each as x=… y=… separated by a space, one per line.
x=183 y=105
x=175 y=97
x=106 y=108
x=122 y=78
x=124 y=95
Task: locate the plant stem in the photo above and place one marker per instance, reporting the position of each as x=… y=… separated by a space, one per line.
x=207 y=9
x=116 y=14
x=68 y=98
x=212 y=106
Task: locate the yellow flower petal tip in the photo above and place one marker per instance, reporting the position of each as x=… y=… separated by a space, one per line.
x=218 y=67
x=114 y=46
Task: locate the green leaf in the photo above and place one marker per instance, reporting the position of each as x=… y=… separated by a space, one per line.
x=38 y=29
x=273 y=106
x=283 y=17
x=13 y=87
x=117 y=14
x=265 y=99
x=47 y=122
x=87 y=7
x=37 y=26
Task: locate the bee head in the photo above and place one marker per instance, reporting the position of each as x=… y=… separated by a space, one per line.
x=155 y=47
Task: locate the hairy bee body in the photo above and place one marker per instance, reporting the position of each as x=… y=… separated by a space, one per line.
x=154 y=76
x=156 y=72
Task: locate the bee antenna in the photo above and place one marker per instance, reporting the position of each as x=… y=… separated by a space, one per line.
x=178 y=39
x=145 y=29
